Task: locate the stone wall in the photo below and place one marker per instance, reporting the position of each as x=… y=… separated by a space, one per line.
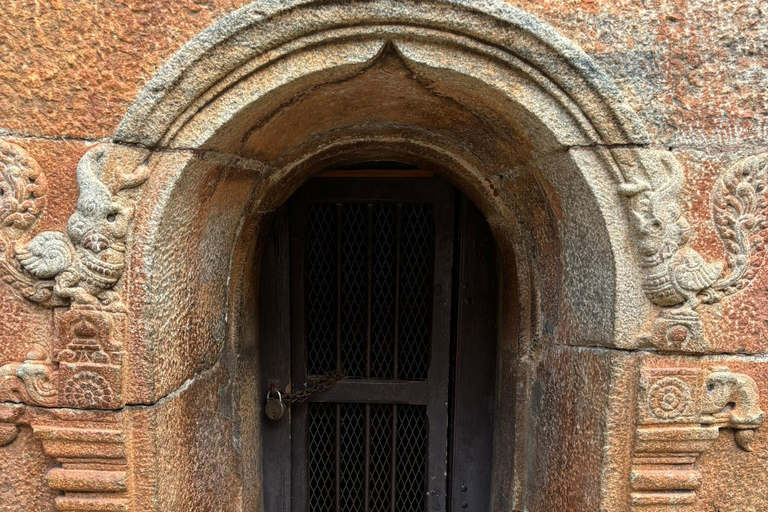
x=695 y=72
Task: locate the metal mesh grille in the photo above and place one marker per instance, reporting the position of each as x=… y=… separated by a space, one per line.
x=415 y=287
x=383 y=292
x=369 y=289
x=321 y=444
x=354 y=294
x=321 y=289
x=396 y=437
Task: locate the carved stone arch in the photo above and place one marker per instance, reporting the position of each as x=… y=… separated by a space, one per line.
x=545 y=141
x=486 y=96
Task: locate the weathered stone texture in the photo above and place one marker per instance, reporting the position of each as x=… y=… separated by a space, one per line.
x=569 y=395
x=32 y=325
x=72 y=68
x=739 y=323
x=734 y=479
x=694 y=70
x=23 y=467
x=191 y=441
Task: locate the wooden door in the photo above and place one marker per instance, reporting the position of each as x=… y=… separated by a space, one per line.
x=366 y=268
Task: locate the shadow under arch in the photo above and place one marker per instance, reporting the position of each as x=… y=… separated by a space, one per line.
x=512 y=114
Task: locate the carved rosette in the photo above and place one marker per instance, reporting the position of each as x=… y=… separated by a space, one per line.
x=680 y=413
x=90 y=359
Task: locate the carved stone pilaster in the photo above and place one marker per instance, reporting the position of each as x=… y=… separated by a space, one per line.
x=90 y=359
x=680 y=414
x=92 y=472
x=84 y=370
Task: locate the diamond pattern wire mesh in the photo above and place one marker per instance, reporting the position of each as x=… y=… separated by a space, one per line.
x=321 y=289
x=415 y=291
x=381 y=458
x=321 y=447
x=352 y=446
x=411 y=457
x=383 y=291
x=354 y=289
x=413 y=248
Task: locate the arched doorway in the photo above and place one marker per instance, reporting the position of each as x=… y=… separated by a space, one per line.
x=482 y=95
x=390 y=283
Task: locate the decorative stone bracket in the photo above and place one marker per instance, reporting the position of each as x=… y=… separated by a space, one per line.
x=681 y=412
x=92 y=470
x=74 y=273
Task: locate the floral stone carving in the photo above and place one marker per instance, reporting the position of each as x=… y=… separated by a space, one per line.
x=681 y=411
x=676 y=276
x=23 y=188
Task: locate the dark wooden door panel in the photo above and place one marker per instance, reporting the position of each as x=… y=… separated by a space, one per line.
x=366 y=269
x=475 y=364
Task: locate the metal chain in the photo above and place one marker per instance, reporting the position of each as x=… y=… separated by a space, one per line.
x=323 y=383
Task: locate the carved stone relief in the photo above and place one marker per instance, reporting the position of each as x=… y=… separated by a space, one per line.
x=92 y=468
x=675 y=276
x=680 y=413
x=74 y=273
x=82 y=265
x=82 y=369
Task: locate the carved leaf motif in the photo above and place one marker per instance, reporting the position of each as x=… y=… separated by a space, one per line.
x=739 y=212
x=23 y=188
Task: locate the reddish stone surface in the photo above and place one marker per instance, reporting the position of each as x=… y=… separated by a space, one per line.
x=23 y=467
x=72 y=68
x=695 y=71
x=739 y=323
x=30 y=324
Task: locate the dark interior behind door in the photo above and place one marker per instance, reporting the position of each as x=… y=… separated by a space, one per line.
x=366 y=268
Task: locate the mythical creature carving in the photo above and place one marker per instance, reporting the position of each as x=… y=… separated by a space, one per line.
x=732 y=401
x=681 y=412
x=84 y=264
x=674 y=273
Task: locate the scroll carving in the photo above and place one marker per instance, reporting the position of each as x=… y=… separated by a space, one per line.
x=681 y=412
x=23 y=188
x=31 y=382
x=84 y=370
x=677 y=277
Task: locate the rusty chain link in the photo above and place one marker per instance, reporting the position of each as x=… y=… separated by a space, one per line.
x=321 y=384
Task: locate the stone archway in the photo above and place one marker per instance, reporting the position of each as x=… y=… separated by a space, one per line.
x=515 y=116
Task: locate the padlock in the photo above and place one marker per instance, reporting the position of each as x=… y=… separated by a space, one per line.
x=275 y=407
